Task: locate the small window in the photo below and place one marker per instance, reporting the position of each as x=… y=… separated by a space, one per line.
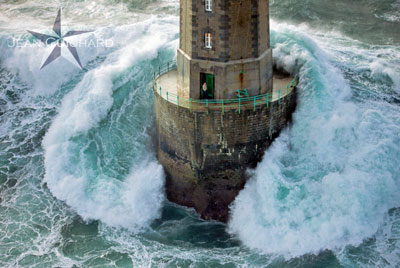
x=208 y=39
x=208 y=5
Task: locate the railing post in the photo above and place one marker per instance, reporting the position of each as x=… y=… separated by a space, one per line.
x=207 y=103
x=223 y=108
x=254 y=103
x=267 y=100
x=160 y=92
x=177 y=98
x=239 y=104
x=279 y=96
x=167 y=66
x=287 y=90
x=191 y=104
x=167 y=95
x=159 y=70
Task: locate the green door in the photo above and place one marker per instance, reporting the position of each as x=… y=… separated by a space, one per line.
x=210 y=85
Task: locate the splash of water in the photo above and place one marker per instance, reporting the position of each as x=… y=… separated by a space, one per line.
x=329 y=180
x=73 y=152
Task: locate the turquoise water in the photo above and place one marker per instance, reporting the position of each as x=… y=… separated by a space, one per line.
x=80 y=185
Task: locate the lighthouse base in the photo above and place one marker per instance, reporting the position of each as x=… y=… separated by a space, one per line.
x=209 y=189
x=206 y=153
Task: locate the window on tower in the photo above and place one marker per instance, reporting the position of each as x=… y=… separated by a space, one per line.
x=208 y=40
x=208 y=5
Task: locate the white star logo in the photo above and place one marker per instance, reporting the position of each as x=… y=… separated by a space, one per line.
x=59 y=42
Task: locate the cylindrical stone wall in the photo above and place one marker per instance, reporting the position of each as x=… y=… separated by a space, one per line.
x=205 y=154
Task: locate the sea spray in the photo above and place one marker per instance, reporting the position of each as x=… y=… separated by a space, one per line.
x=73 y=172
x=322 y=184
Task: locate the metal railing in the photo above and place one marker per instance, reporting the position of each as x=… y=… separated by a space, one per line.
x=238 y=104
x=165 y=68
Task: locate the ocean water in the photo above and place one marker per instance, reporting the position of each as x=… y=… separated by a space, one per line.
x=80 y=185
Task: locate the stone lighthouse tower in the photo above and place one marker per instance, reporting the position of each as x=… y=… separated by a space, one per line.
x=224 y=43
x=216 y=107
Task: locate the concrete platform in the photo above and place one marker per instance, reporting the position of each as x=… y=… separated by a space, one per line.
x=168 y=84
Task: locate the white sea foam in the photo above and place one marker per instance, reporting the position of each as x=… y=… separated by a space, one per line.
x=380 y=68
x=19 y=15
x=26 y=60
x=328 y=181
x=393 y=15
x=135 y=201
